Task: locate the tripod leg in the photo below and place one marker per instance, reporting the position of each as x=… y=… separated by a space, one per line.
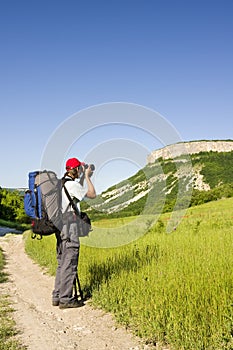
x=75 y=288
x=75 y=283
x=79 y=287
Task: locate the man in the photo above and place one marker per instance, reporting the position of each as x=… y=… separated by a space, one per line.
x=68 y=248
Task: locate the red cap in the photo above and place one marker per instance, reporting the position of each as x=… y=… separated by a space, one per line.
x=72 y=163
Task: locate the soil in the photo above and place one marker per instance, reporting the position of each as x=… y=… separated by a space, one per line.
x=45 y=327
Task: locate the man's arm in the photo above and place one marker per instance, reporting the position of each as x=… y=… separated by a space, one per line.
x=90 y=187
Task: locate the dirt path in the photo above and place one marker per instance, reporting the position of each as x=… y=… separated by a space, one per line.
x=46 y=327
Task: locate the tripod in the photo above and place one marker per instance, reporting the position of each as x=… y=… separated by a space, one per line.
x=78 y=293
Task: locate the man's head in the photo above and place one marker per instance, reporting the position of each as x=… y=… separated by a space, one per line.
x=74 y=167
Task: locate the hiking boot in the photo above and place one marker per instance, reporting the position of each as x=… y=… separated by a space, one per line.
x=55 y=302
x=71 y=304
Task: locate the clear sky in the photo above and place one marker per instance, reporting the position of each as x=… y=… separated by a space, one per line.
x=61 y=57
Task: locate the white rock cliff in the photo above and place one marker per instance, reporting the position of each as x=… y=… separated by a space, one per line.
x=182 y=148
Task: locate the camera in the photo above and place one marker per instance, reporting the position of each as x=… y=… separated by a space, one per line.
x=91 y=166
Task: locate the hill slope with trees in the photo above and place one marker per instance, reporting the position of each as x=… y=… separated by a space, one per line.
x=206 y=176
x=196 y=178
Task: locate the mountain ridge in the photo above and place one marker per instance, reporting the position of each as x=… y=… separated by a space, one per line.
x=190 y=147
x=200 y=167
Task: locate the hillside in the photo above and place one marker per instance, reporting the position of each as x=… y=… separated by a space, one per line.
x=201 y=173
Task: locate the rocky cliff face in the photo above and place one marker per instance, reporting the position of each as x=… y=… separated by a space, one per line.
x=178 y=149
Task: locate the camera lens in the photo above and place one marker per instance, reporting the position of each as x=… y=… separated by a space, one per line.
x=91 y=166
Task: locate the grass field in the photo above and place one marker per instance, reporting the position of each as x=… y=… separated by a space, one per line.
x=174 y=288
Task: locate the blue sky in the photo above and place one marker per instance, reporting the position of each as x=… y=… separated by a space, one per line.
x=58 y=58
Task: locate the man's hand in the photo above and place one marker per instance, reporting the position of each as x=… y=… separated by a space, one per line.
x=91 y=189
x=88 y=172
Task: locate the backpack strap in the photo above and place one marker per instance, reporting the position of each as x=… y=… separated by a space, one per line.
x=69 y=197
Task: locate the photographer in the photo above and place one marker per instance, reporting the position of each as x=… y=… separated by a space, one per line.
x=68 y=248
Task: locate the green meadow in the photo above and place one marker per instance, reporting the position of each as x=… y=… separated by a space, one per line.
x=170 y=288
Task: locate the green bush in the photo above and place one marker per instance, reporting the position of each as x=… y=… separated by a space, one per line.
x=12 y=206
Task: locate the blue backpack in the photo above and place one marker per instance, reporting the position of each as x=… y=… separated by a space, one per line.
x=42 y=203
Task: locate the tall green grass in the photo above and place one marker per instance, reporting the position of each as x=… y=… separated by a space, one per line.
x=172 y=288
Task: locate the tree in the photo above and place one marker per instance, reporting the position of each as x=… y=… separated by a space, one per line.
x=12 y=206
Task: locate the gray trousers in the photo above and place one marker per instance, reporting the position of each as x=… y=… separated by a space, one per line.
x=67 y=258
